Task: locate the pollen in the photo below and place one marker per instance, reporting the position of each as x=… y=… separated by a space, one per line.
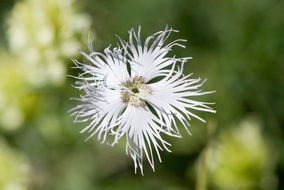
x=135 y=91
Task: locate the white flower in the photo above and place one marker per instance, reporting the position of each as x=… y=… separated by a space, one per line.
x=138 y=92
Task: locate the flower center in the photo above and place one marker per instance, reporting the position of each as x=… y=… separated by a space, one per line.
x=134 y=91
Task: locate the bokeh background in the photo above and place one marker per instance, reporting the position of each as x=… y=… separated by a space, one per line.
x=238 y=45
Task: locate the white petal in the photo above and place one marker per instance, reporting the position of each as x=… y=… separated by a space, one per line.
x=143 y=131
x=171 y=96
x=148 y=61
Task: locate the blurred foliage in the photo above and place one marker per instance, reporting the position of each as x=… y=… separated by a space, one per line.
x=15 y=170
x=237 y=45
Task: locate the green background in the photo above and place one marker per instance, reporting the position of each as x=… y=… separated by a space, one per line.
x=237 y=45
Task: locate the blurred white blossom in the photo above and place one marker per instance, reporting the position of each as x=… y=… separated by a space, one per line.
x=44 y=34
x=242 y=158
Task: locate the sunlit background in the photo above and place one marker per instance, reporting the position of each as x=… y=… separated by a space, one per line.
x=238 y=45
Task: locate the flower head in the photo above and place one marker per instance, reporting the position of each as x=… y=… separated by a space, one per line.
x=138 y=92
